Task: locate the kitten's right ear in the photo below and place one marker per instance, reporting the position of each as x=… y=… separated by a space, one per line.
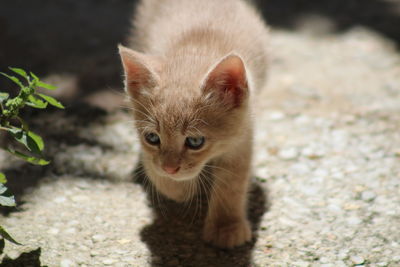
x=139 y=71
x=228 y=81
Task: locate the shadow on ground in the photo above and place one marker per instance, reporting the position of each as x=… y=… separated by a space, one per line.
x=27 y=259
x=67 y=37
x=174 y=237
x=382 y=16
x=25 y=176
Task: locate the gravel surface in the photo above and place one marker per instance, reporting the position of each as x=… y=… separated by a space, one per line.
x=326 y=188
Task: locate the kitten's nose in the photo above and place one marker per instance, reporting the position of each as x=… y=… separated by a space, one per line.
x=171 y=170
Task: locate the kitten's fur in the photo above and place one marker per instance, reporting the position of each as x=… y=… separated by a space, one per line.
x=193 y=72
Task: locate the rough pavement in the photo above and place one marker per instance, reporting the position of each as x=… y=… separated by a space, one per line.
x=326 y=185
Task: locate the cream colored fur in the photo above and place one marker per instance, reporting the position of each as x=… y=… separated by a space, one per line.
x=191 y=69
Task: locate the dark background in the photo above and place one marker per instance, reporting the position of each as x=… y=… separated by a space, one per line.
x=79 y=38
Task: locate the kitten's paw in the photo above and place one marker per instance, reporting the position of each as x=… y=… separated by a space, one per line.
x=227 y=235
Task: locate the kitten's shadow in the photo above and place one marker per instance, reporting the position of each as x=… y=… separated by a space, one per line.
x=174 y=237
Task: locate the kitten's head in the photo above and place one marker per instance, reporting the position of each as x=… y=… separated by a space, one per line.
x=185 y=120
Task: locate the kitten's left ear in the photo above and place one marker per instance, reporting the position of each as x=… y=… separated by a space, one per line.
x=140 y=70
x=227 y=80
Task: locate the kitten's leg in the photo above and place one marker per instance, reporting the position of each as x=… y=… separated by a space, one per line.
x=226 y=223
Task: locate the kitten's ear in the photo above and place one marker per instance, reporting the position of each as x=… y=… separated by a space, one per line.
x=227 y=80
x=140 y=70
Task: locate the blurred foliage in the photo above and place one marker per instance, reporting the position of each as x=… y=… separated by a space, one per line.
x=13 y=125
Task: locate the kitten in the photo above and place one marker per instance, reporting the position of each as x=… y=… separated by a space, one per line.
x=190 y=79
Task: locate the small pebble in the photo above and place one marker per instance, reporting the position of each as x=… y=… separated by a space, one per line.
x=301 y=264
x=301 y=168
x=354 y=220
x=71 y=230
x=357 y=260
x=108 y=261
x=302 y=119
x=312 y=153
x=94 y=253
x=73 y=222
x=276 y=116
x=288 y=153
x=368 y=196
x=66 y=263
x=79 y=198
x=98 y=238
x=53 y=231
x=60 y=199
x=340 y=264
x=324 y=260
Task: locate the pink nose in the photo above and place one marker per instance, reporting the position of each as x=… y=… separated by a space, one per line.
x=171 y=170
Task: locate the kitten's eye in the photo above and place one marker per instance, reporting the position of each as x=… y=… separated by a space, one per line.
x=194 y=142
x=152 y=138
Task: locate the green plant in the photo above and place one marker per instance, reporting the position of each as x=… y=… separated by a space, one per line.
x=12 y=123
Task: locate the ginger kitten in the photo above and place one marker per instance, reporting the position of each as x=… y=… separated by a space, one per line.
x=190 y=78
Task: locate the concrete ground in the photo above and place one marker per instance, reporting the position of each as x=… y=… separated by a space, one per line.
x=326 y=184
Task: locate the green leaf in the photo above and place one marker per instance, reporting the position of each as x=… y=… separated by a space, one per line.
x=3 y=97
x=3 y=179
x=18 y=135
x=52 y=101
x=13 y=78
x=35 y=78
x=2 y=189
x=30 y=140
x=6 y=236
x=45 y=85
x=30 y=159
x=37 y=139
x=20 y=72
x=36 y=102
x=6 y=200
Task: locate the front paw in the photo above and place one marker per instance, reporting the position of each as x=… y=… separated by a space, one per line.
x=227 y=235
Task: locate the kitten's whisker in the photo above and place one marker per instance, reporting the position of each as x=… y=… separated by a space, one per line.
x=160 y=206
x=222 y=169
x=199 y=189
x=147 y=115
x=203 y=183
x=217 y=178
x=188 y=198
x=206 y=185
x=202 y=108
x=217 y=190
x=193 y=195
x=142 y=105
